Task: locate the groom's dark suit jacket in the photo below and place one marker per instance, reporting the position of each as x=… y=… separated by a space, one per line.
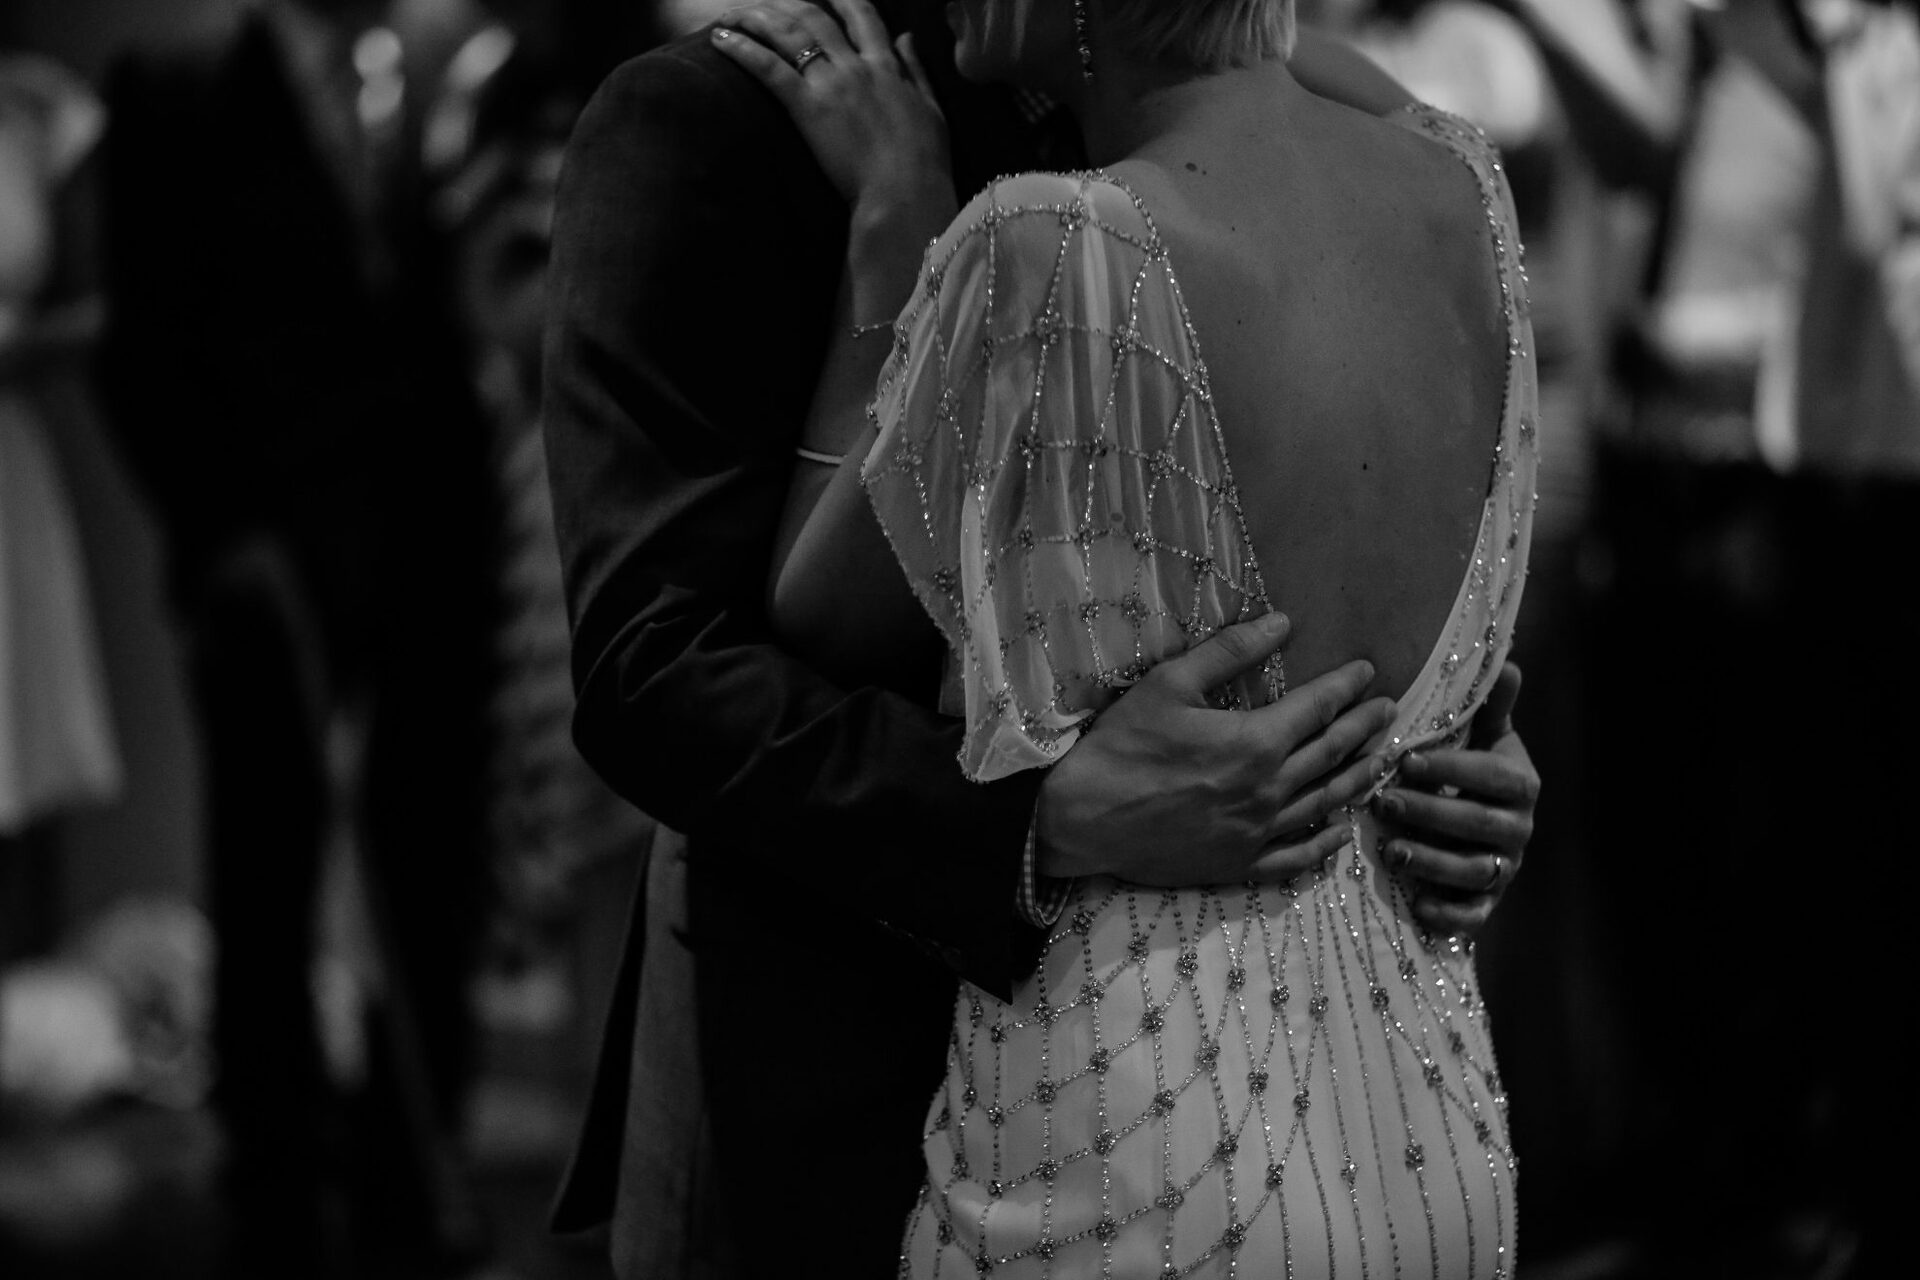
x=780 y=1020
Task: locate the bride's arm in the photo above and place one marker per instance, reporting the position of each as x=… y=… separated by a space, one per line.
x=835 y=594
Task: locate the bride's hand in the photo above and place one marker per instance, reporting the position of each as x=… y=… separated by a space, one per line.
x=861 y=100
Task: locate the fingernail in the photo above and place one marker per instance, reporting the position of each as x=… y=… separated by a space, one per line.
x=1413 y=763
x=1398 y=856
x=1392 y=805
x=1379 y=769
x=1273 y=622
x=721 y=33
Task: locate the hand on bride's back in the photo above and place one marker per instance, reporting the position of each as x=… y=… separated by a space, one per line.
x=860 y=99
x=1239 y=795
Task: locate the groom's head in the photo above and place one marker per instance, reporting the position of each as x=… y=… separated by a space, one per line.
x=348 y=14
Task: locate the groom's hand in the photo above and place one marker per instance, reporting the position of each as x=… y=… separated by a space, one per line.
x=1466 y=817
x=1167 y=790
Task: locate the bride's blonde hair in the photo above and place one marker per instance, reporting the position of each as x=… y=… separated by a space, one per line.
x=1206 y=35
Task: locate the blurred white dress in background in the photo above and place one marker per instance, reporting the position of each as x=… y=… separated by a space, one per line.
x=57 y=745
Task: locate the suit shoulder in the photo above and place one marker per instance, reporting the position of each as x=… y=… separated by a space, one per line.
x=682 y=118
x=683 y=85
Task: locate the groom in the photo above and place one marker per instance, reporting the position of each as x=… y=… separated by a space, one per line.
x=823 y=872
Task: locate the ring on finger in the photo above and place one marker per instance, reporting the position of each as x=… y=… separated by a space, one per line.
x=806 y=55
x=1499 y=871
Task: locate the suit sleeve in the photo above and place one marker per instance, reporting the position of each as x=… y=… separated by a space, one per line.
x=697 y=251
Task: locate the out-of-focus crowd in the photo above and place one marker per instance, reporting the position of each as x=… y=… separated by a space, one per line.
x=308 y=909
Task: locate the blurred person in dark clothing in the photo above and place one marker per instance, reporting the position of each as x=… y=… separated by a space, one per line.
x=1749 y=524
x=786 y=911
x=563 y=846
x=283 y=380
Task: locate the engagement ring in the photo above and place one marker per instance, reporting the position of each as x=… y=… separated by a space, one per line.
x=806 y=55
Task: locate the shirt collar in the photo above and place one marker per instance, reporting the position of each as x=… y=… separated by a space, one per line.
x=1034 y=106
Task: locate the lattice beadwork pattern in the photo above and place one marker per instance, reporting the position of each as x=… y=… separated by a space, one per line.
x=1041 y=380
x=1202 y=1080
x=1291 y=1080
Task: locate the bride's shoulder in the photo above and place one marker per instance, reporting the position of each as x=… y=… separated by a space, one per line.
x=1456 y=134
x=1036 y=243
x=1030 y=211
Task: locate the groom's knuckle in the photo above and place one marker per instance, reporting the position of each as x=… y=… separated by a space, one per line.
x=1234 y=643
x=1356 y=780
x=1314 y=798
x=1277 y=774
x=1320 y=756
x=1164 y=677
x=1342 y=735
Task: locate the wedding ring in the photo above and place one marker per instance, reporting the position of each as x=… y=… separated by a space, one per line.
x=806 y=55
x=1499 y=871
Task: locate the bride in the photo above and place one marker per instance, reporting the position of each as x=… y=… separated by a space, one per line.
x=1272 y=353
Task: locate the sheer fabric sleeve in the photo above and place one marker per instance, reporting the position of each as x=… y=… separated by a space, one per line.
x=1047 y=466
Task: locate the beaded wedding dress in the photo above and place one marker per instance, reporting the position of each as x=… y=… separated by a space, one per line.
x=1255 y=1081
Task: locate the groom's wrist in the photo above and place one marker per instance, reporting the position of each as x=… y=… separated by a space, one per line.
x=1039 y=898
x=886 y=241
x=1056 y=838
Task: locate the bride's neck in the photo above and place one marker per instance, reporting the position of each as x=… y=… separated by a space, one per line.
x=1127 y=106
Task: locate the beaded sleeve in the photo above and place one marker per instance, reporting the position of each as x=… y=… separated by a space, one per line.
x=1048 y=468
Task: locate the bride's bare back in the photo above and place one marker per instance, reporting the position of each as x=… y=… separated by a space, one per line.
x=1340 y=278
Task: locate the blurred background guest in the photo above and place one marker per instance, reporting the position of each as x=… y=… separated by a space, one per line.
x=1760 y=470
x=58 y=747
x=285 y=381
x=565 y=849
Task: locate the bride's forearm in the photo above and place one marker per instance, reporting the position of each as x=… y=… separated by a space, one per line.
x=840 y=601
x=835 y=428
x=811 y=586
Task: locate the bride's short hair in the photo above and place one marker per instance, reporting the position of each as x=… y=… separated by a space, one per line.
x=1207 y=35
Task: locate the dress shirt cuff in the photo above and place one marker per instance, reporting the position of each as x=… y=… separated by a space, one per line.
x=1040 y=899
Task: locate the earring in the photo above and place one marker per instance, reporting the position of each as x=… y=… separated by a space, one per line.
x=1080 y=38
